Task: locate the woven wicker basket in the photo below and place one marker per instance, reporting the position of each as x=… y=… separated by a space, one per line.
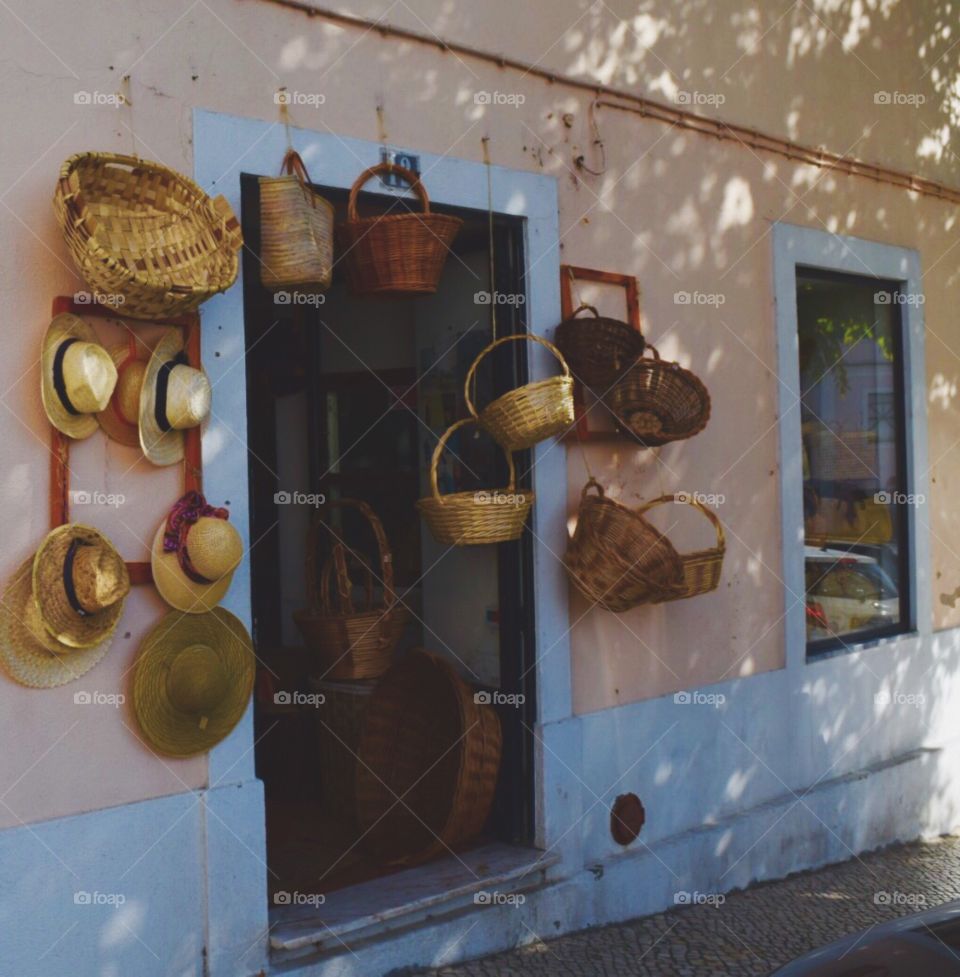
x=467 y=518
x=532 y=413
x=296 y=230
x=701 y=569
x=657 y=402
x=429 y=756
x=395 y=252
x=350 y=643
x=599 y=349
x=617 y=559
x=139 y=230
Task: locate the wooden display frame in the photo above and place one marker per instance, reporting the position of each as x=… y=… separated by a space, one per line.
x=568 y=275
x=140 y=572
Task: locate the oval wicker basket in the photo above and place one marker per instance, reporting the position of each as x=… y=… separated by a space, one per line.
x=598 y=350
x=617 y=559
x=139 y=230
x=468 y=518
x=701 y=568
x=296 y=230
x=395 y=252
x=534 y=412
x=657 y=402
x=428 y=760
x=350 y=643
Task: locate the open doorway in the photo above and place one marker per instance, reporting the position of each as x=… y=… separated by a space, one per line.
x=346 y=398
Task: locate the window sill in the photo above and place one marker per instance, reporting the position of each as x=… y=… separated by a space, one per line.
x=372 y=910
x=851 y=649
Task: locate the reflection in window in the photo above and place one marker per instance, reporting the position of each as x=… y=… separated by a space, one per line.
x=854 y=469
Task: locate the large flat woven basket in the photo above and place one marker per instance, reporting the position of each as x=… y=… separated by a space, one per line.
x=395 y=252
x=531 y=413
x=145 y=235
x=428 y=760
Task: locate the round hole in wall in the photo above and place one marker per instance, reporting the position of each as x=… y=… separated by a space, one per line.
x=627 y=817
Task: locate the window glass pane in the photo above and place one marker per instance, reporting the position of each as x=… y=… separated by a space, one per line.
x=854 y=491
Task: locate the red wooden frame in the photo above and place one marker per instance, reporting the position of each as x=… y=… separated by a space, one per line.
x=140 y=572
x=568 y=275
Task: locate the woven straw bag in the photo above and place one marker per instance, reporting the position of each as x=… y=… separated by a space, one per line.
x=395 y=252
x=427 y=741
x=657 y=402
x=598 y=349
x=146 y=233
x=296 y=230
x=466 y=518
x=350 y=642
x=617 y=559
x=701 y=569
x=529 y=414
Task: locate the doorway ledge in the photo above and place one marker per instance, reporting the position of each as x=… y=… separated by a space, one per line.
x=381 y=907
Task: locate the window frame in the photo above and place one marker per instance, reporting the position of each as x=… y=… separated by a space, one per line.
x=799 y=248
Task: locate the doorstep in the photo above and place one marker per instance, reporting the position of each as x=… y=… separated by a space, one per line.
x=372 y=910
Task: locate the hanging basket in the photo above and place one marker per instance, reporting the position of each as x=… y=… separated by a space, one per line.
x=657 y=402
x=428 y=760
x=534 y=412
x=144 y=235
x=617 y=559
x=395 y=252
x=468 y=518
x=701 y=569
x=350 y=642
x=296 y=230
x=598 y=349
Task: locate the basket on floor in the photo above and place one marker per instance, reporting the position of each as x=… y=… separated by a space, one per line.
x=428 y=760
x=468 y=518
x=296 y=230
x=617 y=559
x=395 y=252
x=534 y=412
x=145 y=235
x=657 y=402
x=339 y=721
x=350 y=642
x=598 y=349
x=701 y=569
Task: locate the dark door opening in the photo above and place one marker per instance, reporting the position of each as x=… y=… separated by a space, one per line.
x=346 y=397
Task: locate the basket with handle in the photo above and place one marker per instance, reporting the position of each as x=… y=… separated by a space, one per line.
x=531 y=413
x=428 y=760
x=467 y=518
x=145 y=235
x=701 y=568
x=598 y=349
x=617 y=559
x=350 y=642
x=296 y=230
x=657 y=402
x=395 y=252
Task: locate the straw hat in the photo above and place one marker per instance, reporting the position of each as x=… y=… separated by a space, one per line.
x=194 y=554
x=193 y=680
x=174 y=397
x=77 y=376
x=80 y=583
x=120 y=419
x=27 y=651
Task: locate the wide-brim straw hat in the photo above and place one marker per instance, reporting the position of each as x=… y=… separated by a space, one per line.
x=29 y=654
x=80 y=585
x=74 y=383
x=193 y=680
x=187 y=402
x=120 y=419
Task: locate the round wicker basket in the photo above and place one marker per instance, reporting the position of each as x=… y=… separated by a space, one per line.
x=598 y=349
x=428 y=760
x=534 y=412
x=145 y=235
